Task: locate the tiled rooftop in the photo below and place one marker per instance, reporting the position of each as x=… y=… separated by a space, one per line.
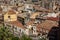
x=17 y=24
x=33 y=16
x=47 y=25
x=53 y=19
x=30 y=22
x=11 y=12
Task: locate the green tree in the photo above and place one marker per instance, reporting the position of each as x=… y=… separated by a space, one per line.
x=15 y=38
x=5 y=34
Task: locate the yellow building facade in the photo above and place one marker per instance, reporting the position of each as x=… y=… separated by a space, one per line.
x=10 y=16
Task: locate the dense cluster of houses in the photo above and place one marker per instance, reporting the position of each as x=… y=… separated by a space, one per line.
x=30 y=19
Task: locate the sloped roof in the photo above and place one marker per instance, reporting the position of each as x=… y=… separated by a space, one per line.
x=47 y=25
x=17 y=24
x=11 y=12
x=30 y=22
x=33 y=16
x=41 y=8
x=53 y=19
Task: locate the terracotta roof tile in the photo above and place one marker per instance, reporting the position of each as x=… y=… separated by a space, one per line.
x=30 y=22
x=47 y=25
x=17 y=23
x=11 y=12
x=41 y=8
x=53 y=19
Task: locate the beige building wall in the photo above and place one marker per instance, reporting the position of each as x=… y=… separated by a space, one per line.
x=8 y=17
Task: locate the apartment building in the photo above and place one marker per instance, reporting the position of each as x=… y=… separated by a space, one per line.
x=11 y=22
x=48 y=4
x=45 y=28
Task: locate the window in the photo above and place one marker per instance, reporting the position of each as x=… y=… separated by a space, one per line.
x=34 y=0
x=32 y=28
x=41 y=4
x=22 y=11
x=50 y=0
x=9 y=17
x=15 y=28
x=20 y=30
x=14 y=1
x=40 y=0
x=59 y=9
x=34 y=31
x=8 y=25
x=16 y=4
x=5 y=27
x=46 y=5
x=46 y=31
x=25 y=0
